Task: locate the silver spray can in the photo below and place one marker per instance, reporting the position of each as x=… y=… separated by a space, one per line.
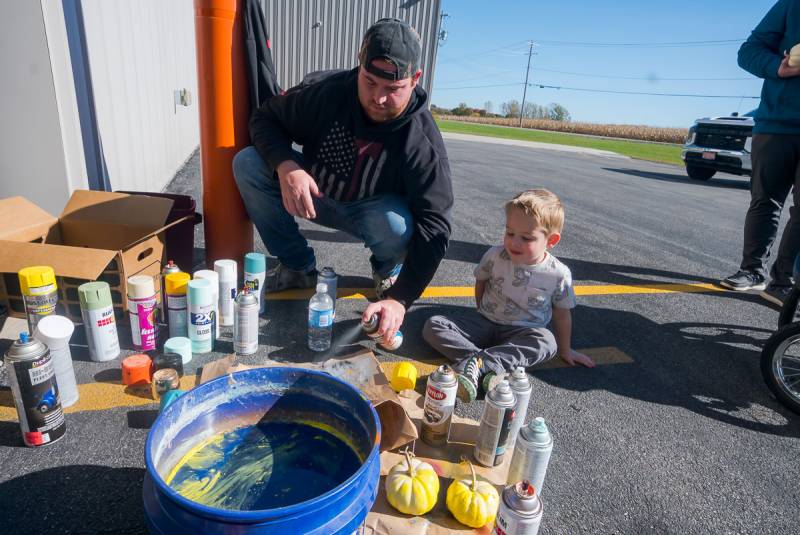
x=531 y=454
x=171 y=267
x=371 y=329
x=329 y=277
x=440 y=400
x=521 y=386
x=498 y=413
x=245 y=324
x=33 y=385
x=520 y=511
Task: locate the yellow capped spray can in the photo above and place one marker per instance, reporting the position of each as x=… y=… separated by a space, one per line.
x=39 y=293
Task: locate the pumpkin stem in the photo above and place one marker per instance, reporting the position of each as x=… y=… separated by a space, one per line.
x=408 y=454
x=474 y=476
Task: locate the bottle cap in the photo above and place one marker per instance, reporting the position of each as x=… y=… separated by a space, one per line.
x=255 y=263
x=226 y=269
x=404 y=377
x=141 y=287
x=200 y=292
x=175 y=283
x=54 y=330
x=34 y=277
x=322 y=288
x=94 y=295
x=136 y=370
x=180 y=345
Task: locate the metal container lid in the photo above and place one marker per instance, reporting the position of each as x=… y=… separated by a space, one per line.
x=523 y=498
x=502 y=394
x=444 y=374
x=371 y=325
x=26 y=348
x=536 y=432
x=94 y=295
x=519 y=380
x=246 y=297
x=171 y=267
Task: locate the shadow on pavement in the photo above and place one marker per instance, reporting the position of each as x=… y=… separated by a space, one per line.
x=742 y=183
x=74 y=499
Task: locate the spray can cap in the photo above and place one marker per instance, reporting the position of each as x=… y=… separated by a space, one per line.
x=519 y=379
x=94 y=295
x=199 y=291
x=35 y=276
x=322 y=288
x=208 y=274
x=255 y=263
x=226 y=269
x=141 y=287
x=537 y=432
x=175 y=283
x=23 y=337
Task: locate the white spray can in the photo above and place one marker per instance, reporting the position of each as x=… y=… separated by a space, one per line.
x=142 y=308
x=54 y=331
x=97 y=312
x=245 y=327
x=214 y=278
x=255 y=273
x=531 y=454
x=200 y=300
x=228 y=283
x=521 y=386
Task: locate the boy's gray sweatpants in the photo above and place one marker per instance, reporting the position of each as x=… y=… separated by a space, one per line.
x=502 y=347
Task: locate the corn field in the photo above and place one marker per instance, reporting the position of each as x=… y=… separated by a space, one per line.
x=623 y=131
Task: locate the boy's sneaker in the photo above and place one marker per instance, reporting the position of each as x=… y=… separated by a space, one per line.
x=382 y=283
x=776 y=294
x=491 y=380
x=744 y=280
x=468 y=380
x=282 y=278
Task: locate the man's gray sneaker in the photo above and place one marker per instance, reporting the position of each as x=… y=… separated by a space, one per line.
x=282 y=278
x=744 y=280
x=382 y=284
x=776 y=294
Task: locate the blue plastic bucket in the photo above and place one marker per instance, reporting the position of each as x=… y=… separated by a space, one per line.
x=245 y=398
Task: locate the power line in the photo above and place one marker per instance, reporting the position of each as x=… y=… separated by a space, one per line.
x=692 y=95
x=478 y=86
x=649 y=78
x=716 y=42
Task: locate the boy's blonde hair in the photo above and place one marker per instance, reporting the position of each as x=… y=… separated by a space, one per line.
x=543 y=206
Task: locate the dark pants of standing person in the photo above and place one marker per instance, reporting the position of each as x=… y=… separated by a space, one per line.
x=776 y=168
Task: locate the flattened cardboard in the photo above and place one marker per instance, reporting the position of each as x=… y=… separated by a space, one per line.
x=89 y=264
x=21 y=220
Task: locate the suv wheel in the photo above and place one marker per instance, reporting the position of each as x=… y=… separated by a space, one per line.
x=699 y=173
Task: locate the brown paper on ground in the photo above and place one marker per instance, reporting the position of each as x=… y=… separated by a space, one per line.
x=360 y=369
x=383 y=519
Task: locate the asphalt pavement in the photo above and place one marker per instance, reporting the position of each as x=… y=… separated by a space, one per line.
x=682 y=438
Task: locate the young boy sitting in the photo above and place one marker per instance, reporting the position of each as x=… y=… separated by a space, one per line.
x=519 y=288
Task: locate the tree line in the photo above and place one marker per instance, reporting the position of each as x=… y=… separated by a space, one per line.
x=510 y=108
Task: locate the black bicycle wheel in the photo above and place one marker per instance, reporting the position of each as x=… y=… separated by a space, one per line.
x=780 y=365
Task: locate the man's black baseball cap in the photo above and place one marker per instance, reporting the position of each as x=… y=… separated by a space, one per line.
x=395 y=41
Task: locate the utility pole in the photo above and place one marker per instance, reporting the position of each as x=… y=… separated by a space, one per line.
x=527 y=73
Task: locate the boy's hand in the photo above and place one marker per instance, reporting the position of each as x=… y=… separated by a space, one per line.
x=573 y=357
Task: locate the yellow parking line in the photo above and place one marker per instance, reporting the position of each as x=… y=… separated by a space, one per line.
x=468 y=291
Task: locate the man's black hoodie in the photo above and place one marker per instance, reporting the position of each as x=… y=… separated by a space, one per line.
x=352 y=158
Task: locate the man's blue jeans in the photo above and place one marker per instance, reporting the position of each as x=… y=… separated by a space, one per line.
x=384 y=223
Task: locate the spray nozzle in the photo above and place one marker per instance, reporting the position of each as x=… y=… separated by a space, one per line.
x=23 y=337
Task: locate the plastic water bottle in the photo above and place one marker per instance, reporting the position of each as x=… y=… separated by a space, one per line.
x=320 y=319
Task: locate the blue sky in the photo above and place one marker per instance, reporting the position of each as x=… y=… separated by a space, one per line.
x=487 y=45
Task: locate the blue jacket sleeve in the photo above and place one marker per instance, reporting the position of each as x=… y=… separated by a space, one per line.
x=760 y=54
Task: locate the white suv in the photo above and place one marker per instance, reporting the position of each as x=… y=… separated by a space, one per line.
x=719 y=144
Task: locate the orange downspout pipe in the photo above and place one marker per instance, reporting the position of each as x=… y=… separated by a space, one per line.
x=224 y=113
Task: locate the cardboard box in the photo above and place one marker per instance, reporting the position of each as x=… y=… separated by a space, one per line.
x=98 y=236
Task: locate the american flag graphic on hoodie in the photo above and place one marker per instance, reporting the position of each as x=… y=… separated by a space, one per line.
x=347 y=168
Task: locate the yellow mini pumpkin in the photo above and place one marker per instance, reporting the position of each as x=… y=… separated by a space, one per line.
x=412 y=486
x=473 y=502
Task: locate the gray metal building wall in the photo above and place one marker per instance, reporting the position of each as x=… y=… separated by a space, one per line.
x=313 y=35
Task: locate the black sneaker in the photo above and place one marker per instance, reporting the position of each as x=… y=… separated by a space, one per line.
x=776 y=294
x=382 y=284
x=282 y=278
x=468 y=380
x=744 y=280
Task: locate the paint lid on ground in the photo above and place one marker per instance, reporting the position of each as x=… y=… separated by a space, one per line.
x=136 y=370
x=255 y=262
x=35 y=277
x=94 y=295
x=180 y=345
x=175 y=283
x=141 y=287
x=226 y=269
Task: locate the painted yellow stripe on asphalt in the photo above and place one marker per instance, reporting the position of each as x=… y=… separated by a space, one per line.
x=469 y=291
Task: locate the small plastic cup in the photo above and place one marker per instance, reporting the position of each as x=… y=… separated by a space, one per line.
x=55 y=331
x=404 y=377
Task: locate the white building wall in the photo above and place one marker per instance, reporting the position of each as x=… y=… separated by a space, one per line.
x=140 y=53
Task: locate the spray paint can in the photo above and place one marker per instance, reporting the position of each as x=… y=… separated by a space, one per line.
x=440 y=400
x=521 y=386
x=255 y=272
x=175 y=285
x=200 y=300
x=214 y=278
x=245 y=326
x=33 y=385
x=328 y=276
x=498 y=413
x=99 y=322
x=531 y=454
x=520 y=511
x=228 y=283
x=142 y=303
x=370 y=328
x=39 y=293
x=54 y=331
x=171 y=267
